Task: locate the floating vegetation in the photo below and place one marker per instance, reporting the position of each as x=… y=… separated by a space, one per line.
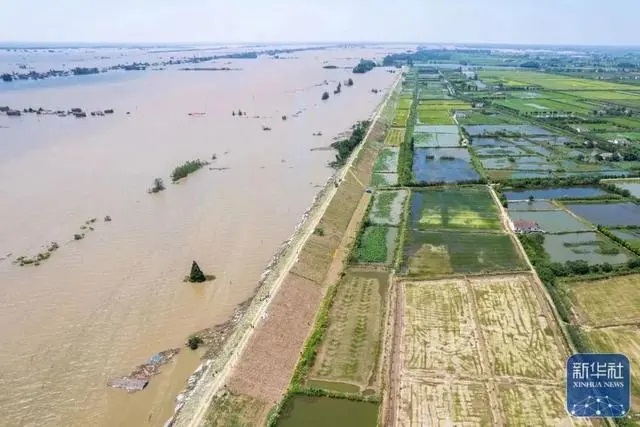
x=38 y=258
x=186 y=168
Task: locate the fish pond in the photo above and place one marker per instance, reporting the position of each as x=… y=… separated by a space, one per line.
x=633 y=185
x=450 y=129
x=555 y=193
x=444 y=253
x=448 y=165
x=535 y=205
x=477 y=130
x=387 y=207
x=609 y=214
x=551 y=221
x=591 y=247
x=326 y=411
x=499 y=150
x=453 y=208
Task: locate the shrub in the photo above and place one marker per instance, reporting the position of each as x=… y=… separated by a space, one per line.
x=196 y=275
x=186 y=168
x=325 y=96
x=157 y=186
x=194 y=342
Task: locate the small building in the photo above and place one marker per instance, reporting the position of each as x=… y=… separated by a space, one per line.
x=522 y=226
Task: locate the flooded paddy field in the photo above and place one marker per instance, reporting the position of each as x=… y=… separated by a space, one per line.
x=633 y=185
x=101 y=305
x=441 y=253
x=479 y=130
x=447 y=165
x=465 y=208
x=556 y=221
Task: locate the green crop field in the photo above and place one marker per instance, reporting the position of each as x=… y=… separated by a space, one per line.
x=376 y=245
x=444 y=253
x=387 y=160
x=549 y=81
x=454 y=208
x=401 y=117
x=546 y=105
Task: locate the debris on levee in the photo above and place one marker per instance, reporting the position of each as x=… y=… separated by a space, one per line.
x=141 y=375
x=219 y=169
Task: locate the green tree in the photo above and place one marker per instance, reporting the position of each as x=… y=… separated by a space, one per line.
x=196 y=275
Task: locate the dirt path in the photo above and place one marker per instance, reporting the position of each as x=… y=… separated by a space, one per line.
x=212 y=382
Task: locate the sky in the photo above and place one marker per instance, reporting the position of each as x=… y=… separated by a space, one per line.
x=585 y=22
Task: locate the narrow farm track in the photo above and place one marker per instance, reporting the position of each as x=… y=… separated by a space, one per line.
x=212 y=383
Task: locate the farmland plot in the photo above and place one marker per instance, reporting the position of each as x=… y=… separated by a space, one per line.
x=400 y=119
x=387 y=160
x=438 y=165
x=555 y=193
x=441 y=253
x=349 y=350
x=439 y=332
x=434 y=140
x=432 y=403
x=395 y=137
x=479 y=130
x=535 y=205
x=387 y=207
x=454 y=208
x=524 y=403
x=447 y=129
x=376 y=245
x=383 y=179
x=521 y=340
x=622 y=291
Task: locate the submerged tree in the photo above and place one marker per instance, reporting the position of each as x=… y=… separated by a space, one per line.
x=350 y=82
x=196 y=274
x=325 y=96
x=158 y=185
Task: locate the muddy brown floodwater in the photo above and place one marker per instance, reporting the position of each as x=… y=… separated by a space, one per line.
x=104 y=304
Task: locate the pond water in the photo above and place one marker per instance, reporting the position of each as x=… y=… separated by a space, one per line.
x=489 y=142
x=437 y=169
x=632 y=186
x=583 y=246
x=422 y=139
x=452 y=129
x=476 y=130
x=609 y=214
x=630 y=235
x=536 y=205
x=555 y=193
x=502 y=150
x=325 y=411
x=550 y=221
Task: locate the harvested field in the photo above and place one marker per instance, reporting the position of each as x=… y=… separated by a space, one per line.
x=387 y=207
x=520 y=337
x=454 y=208
x=314 y=258
x=524 y=403
x=230 y=409
x=623 y=292
x=350 y=348
x=432 y=403
x=265 y=368
x=395 y=137
x=625 y=340
x=439 y=332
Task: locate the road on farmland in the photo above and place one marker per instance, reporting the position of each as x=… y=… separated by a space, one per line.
x=211 y=386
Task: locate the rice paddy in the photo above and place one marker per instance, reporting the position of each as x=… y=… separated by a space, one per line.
x=387 y=161
x=376 y=245
x=590 y=247
x=443 y=165
x=395 y=137
x=465 y=208
x=387 y=207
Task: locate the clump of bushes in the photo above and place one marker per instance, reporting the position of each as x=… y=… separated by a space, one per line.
x=157 y=186
x=196 y=275
x=346 y=146
x=325 y=96
x=186 y=168
x=194 y=341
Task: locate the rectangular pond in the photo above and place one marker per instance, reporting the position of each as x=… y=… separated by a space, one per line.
x=423 y=139
x=633 y=185
x=535 y=205
x=591 y=247
x=451 y=129
x=555 y=193
x=477 y=130
x=550 y=221
x=448 y=165
x=500 y=150
x=609 y=214
x=489 y=142
x=325 y=411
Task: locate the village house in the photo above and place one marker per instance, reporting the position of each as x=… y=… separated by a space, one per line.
x=522 y=226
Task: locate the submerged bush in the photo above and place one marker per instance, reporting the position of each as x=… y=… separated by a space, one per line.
x=186 y=168
x=157 y=186
x=194 y=342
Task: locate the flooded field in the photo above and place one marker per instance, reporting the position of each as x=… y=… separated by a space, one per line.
x=326 y=411
x=591 y=247
x=102 y=304
x=449 y=165
x=477 y=130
